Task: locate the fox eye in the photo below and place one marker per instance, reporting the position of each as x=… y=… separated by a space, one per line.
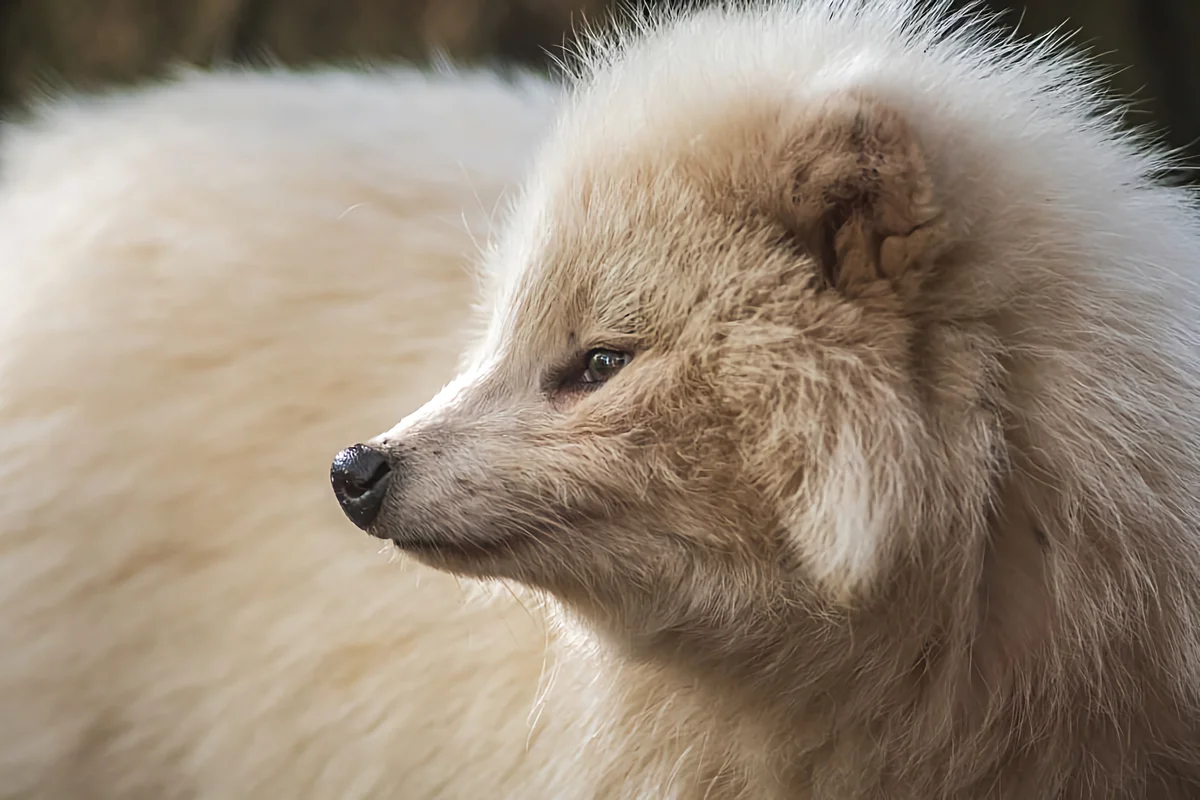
x=600 y=365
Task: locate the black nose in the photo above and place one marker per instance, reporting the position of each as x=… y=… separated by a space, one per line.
x=360 y=480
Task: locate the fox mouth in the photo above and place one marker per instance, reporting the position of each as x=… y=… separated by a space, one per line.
x=459 y=551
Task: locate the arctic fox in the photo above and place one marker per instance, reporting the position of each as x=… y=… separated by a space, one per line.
x=827 y=427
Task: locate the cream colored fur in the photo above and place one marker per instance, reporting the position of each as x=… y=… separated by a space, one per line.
x=207 y=287
x=896 y=498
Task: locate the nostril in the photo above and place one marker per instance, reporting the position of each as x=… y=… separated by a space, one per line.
x=381 y=471
x=359 y=476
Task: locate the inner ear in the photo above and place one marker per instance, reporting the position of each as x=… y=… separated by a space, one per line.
x=857 y=194
x=835 y=219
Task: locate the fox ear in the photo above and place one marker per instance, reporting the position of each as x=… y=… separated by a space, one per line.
x=858 y=197
x=854 y=195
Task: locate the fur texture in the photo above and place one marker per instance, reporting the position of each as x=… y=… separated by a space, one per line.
x=207 y=287
x=893 y=499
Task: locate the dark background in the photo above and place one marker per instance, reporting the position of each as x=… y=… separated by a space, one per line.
x=45 y=44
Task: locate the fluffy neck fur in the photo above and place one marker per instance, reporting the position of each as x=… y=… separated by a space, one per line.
x=986 y=685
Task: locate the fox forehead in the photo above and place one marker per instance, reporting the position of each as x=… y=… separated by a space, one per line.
x=632 y=248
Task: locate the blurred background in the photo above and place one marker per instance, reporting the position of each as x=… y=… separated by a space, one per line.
x=44 y=44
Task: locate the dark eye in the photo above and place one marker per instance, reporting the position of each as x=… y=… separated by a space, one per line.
x=600 y=365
